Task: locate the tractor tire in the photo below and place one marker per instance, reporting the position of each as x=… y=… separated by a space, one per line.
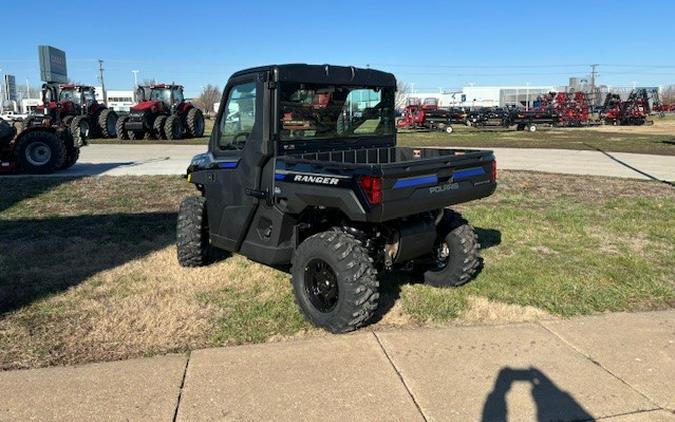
x=67 y=120
x=72 y=155
x=532 y=128
x=40 y=152
x=148 y=135
x=195 y=123
x=119 y=128
x=173 y=128
x=133 y=135
x=7 y=132
x=192 y=232
x=334 y=281
x=79 y=128
x=158 y=127
x=449 y=129
x=107 y=123
x=456 y=252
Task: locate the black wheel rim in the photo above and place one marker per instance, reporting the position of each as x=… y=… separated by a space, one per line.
x=321 y=287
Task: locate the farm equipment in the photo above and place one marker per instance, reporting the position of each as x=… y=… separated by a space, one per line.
x=424 y=116
x=38 y=149
x=323 y=188
x=489 y=117
x=74 y=107
x=162 y=114
x=631 y=112
x=569 y=108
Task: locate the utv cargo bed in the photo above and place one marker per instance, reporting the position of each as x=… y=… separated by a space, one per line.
x=409 y=180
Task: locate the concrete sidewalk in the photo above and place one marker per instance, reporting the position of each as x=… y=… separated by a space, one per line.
x=619 y=367
x=122 y=160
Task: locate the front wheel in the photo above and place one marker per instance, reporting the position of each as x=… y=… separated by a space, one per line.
x=456 y=257
x=334 y=281
x=173 y=128
x=192 y=232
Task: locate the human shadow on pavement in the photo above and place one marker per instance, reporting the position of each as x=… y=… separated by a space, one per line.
x=391 y=282
x=42 y=257
x=552 y=403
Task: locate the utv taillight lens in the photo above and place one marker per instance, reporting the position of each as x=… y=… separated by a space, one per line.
x=372 y=187
x=493 y=172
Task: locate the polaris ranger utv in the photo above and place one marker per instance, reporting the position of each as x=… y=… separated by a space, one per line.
x=303 y=169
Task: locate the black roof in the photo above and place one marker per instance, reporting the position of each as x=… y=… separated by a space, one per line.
x=324 y=73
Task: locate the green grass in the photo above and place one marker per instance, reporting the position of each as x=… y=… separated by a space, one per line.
x=89 y=270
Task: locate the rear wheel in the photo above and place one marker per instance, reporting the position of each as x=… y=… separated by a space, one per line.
x=158 y=127
x=72 y=155
x=192 y=232
x=40 y=152
x=173 y=128
x=107 y=122
x=456 y=252
x=195 y=123
x=79 y=128
x=334 y=281
x=119 y=128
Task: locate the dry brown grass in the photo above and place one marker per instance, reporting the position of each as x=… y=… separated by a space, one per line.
x=89 y=270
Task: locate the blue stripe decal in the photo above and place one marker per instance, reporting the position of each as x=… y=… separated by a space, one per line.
x=463 y=174
x=279 y=176
x=228 y=164
x=415 y=181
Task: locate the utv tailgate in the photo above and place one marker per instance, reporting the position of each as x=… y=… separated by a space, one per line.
x=411 y=180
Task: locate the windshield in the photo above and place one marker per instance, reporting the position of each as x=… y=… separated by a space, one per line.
x=70 y=95
x=161 y=94
x=88 y=96
x=310 y=111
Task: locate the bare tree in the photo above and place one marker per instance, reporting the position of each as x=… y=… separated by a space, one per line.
x=402 y=91
x=668 y=94
x=209 y=96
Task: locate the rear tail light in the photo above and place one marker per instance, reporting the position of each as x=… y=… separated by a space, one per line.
x=493 y=171
x=372 y=187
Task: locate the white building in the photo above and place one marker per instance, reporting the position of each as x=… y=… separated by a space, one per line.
x=487 y=96
x=117 y=100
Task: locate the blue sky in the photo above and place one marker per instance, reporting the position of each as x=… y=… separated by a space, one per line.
x=432 y=44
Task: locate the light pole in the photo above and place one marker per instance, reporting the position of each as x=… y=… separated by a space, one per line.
x=527 y=97
x=135 y=72
x=2 y=93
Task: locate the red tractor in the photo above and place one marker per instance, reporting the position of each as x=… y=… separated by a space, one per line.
x=162 y=114
x=75 y=107
x=39 y=149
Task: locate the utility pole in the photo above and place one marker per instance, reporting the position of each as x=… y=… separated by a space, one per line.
x=135 y=72
x=100 y=72
x=593 y=75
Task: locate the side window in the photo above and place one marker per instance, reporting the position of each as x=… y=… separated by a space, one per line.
x=238 y=119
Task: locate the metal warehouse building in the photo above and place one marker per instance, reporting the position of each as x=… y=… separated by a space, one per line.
x=487 y=96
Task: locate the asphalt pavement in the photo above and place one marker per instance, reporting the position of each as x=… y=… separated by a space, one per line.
x=166 y=159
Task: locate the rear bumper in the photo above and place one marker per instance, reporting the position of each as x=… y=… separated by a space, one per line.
x=423 y=200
